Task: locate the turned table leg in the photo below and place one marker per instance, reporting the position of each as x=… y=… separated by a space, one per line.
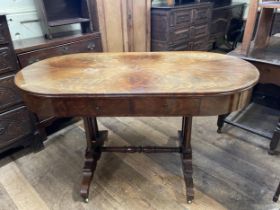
x=95 y=140
x=275 y=139
x=187 y=157
x=221 y=122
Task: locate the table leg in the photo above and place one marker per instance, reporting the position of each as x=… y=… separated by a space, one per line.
x=95 y=140
x=221 y=122
x=187 y=157
x=277 y=193
x=275 y=139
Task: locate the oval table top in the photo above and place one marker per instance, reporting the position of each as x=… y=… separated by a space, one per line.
x=132 y=74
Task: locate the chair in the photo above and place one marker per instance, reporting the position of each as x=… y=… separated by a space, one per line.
x=263 y=31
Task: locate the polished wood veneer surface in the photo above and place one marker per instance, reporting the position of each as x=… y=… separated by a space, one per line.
x=188 y=73
x=137 y=84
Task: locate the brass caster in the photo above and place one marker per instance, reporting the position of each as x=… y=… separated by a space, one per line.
x=86 y=200
x=189 y=201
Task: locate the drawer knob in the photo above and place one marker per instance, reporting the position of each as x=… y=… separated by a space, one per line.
x=2 y=131
x=91 y=46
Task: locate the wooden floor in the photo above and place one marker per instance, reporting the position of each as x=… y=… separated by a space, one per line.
x=231 y=170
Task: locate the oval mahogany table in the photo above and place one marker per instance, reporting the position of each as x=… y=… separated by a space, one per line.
x=183 y=84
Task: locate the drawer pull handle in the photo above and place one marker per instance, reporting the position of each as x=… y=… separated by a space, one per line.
x=2 y=131
x=91 y=46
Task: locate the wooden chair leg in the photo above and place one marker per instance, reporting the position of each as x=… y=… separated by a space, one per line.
x=187 y=157
x=264 y=28
x=249 y=28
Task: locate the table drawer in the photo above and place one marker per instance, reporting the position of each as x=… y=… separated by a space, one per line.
x=7 y=60
x=4 y=31
x=201 y=15
x=14 y=125
x=181 y=18
x=93 y=45
x=9 y=95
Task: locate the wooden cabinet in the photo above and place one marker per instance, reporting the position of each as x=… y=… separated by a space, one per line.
x=124 y=25
x=48 y=48
x=184 y=27
x=16 y=123
x=9 y=95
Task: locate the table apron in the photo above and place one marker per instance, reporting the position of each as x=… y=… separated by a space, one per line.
x=137 y=106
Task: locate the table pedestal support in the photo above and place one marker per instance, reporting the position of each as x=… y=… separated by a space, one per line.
x=186 y=156
x=95 y=141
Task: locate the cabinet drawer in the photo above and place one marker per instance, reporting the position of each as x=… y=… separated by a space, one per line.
x=9 y=95
x=7 y=60
x=14 y=125
x=181 y=18
x=200 y=44
x=4 y=31
x=201 y=15
x=93 y=45
x=180 y=45
x=199 y=31
x=180 y=34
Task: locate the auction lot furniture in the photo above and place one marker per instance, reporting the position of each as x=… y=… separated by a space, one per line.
x=183 y=84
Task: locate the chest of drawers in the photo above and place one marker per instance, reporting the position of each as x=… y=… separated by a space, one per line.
x=183 y=27
x=16 y=122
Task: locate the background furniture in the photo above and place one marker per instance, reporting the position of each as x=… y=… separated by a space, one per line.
x=54 y=13
x=17 y=126
x=182 y=27
x=192 y=26
x=217 y=3
x=125 y=25
x=222 y=17
x=213 y=92
x=264 y=28
x=268 y=63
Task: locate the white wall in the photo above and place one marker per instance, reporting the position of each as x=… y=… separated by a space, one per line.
x=23 y=19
